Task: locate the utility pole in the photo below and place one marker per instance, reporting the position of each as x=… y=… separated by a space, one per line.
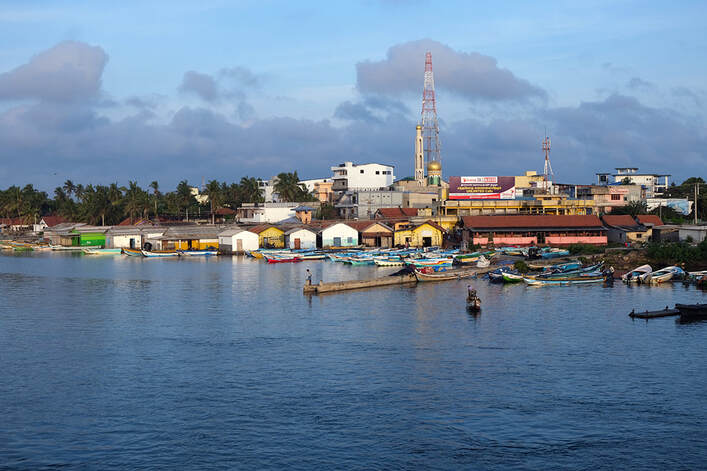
x=697 y=192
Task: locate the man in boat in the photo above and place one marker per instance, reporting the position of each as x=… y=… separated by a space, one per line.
x=471 y=293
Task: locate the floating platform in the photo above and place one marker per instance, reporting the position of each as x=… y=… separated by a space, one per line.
x=358 y=284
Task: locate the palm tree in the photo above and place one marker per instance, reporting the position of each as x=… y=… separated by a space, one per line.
x=250 y=190
x=288 y=187
x=185 y=198
x=213 y=189
x=69 y=187
x=156 y=192
x=135 y=199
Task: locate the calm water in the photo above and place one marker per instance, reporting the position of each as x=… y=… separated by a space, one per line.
x=124 y=363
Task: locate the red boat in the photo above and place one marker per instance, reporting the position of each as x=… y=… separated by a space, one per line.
x=283 y=260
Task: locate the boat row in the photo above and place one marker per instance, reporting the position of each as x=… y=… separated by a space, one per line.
x=645 y=275
x=569 y=273
x=165 y=253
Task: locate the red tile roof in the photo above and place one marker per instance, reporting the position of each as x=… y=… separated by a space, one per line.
x=649 y=219
x=52 y=221
x=620 y=220
x=361 y=226
x=397 y=212
x=224 y=212
x=538 y=221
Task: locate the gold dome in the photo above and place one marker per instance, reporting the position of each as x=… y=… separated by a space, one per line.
x=434 y=165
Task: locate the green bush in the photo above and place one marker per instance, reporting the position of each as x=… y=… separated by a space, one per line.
x=677 y=252
x=585 y=249
x=521 y=266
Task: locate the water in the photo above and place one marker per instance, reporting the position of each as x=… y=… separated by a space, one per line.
x=126 y=363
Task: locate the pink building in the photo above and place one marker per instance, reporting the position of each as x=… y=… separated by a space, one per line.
x=538 y=229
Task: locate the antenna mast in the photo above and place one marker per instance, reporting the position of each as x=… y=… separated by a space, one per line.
x=548 y=168
x=430 y=127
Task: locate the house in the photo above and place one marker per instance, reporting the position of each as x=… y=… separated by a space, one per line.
x=91 y=236
x=304 y=213
x=236 y=241
x=132 y=237
x=534 y=229
x=224 y=214
x=300 y=238
x=14 y=224
x=654 y=183
x=47 y=221
x=63 y=234
x=373 y=233
x=649 y=220
x=395 y=213
x=192 y=237
x=350 y=176
x=269 y=236
x=269 y=213
x=426 y=234
x=624 y=229
x=338 y=234
x=692 y=233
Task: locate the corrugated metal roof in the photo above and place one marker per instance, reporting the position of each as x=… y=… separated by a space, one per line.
x=535 y=221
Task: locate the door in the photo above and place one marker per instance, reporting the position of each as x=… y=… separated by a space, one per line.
x=239 y=246
x=337 y=241
x=132 y=243
x=297 y=244
x=427 y=241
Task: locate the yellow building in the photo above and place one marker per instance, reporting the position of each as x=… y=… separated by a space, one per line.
x=187 y=238
x=541 y=204
x=427 y=234
x=269 y=236
x=530 y=179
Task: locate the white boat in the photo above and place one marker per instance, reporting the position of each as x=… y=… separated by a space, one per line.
x=483 y=262
x=637 y=275
x=70 y=247
x=102 y=251
x=665 y=274
x=389 y=263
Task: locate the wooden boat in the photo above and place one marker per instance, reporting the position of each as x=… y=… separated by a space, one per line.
x=389 y=262
x=691 y=312
x=281 y=259
x=133 y=252
x=102 y=251
x=66 y=248
x=637 y=274
x=473 y=303
x=554 y=253
x=160 y=253
x=313 y=256
x=509 y=277
x=428 y=275
x=198 y=253
x=570 y=280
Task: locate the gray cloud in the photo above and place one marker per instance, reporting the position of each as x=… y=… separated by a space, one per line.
x=202 y=85
x=70 y=71
x=372 y=108
x=637 y=83
x=242 y=76
x=470 y=75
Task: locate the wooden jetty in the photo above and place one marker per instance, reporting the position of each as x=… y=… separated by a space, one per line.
x=667 y=312
x=336 y=286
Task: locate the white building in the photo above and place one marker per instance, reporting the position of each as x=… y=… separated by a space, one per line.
x=300 y=238
x=267 y=189
x=311 y=184
x=349 y=176
x=654 y=183
x=271 y=213
x=237 y=240
x=695 y=233
x=339 y=235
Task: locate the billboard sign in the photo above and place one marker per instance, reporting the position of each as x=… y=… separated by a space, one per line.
x=482 y=188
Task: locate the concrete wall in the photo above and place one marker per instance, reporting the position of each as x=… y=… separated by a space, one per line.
x=122 y=241
x=308 y=239
x=229 y=244
x=416 y=237
x=566 y=240
x=347 y=234
x=697 y=233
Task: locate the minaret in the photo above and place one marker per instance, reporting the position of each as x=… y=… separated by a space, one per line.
x=419 y=157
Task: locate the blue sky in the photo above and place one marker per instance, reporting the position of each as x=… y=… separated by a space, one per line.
x=221 y=89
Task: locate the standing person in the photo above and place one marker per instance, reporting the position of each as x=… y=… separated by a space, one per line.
x=309 y=277
x=470 y=292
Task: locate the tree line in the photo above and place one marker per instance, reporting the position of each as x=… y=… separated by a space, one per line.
x=111 y=204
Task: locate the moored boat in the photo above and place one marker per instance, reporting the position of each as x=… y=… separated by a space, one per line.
x=429 y=275
x=160 y=253
x=133 y=252
x=198 y=253
x=88 y=251
x=510 y=277
x=637 y=274
x=665 y=274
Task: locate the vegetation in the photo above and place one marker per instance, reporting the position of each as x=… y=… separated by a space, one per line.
x=111 y=204
x=633 y=208
x=585 y=249
x=521 y=266
x=687 y=190
x=678 y=252
x=326 y=211
x=289 y=188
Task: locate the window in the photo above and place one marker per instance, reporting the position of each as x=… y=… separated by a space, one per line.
x=378 y=172
x=615 y=197
x=361 y=171
x=350 y=239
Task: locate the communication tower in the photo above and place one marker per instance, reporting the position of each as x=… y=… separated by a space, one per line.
x=548 y=167
x=430 y=126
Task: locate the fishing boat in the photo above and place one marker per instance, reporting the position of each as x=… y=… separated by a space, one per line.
x=389 y=262
x=473 y=302
x=424 y=274
x=282 y=259
x=66 y=248
x=496 y=276
x=570 y=280
x=691 y=312
x=312 y=256
x=88 y=251
x=637 y=274
x=198 y=253
x=133 y=252
x=665 y=274
x=510 y=277
x=160 y=253
x=554 y=253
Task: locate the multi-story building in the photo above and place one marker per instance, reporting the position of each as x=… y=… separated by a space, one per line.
x=320 y=188
x=349 y=176
x=608 y=197
x=654 y=183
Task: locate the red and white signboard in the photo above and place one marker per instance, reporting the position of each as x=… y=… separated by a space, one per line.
x=482 y=188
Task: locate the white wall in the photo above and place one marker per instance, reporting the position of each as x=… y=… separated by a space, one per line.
x=342 y=231
x=365 y=176
x=308 y=239
x=250 y=241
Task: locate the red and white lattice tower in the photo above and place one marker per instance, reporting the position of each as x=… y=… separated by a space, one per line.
x=548 y=168
x=430 y=127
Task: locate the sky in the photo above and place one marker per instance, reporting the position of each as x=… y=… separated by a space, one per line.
x=102 y=92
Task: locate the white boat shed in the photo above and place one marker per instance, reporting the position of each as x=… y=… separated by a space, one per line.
x=300 y=238
x=237 y=240
x=339 y=235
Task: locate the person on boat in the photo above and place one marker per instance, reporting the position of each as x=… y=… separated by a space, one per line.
x=471 y=293
x=309 y=277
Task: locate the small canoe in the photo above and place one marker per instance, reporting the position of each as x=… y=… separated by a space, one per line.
x=198 y=253
x=423 y=275
x=512 y=277
x=133 y=252
x=102 y=251
x=160 y=253
x=637 y=274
